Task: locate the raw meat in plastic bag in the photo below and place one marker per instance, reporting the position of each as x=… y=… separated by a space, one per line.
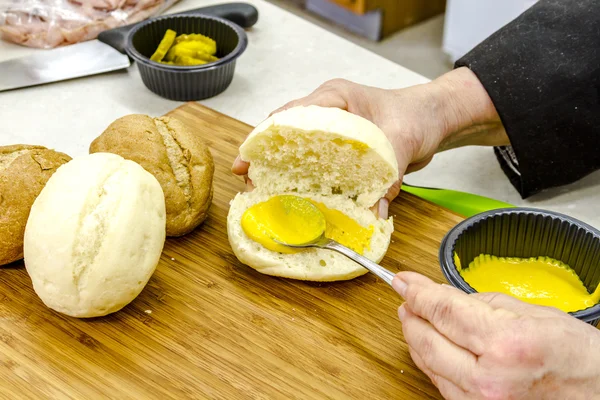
x=53 y=23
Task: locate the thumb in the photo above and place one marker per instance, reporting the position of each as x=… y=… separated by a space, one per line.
x=393 y=191
x=239 y=166
x=381 y=208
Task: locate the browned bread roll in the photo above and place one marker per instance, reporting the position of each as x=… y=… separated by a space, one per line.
x=179 y=160
x=24 y=171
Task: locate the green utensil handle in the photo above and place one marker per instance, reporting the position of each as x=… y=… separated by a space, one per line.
x=465 y=204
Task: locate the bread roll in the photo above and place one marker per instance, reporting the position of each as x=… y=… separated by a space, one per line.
x=24 y=170
x=95 y=235
x=321 y=150
x=330 y=156
x=177 y=158
x=310 y=264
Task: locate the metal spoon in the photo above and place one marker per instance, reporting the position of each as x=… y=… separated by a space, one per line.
x=325 y=243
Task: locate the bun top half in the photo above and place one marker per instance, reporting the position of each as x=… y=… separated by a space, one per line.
x=323 y=151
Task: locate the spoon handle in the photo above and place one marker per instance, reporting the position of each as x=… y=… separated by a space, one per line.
x=375 y=268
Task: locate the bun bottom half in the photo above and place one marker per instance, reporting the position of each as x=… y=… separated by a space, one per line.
x=310 y=264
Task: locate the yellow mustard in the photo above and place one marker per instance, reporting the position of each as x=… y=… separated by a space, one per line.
x=296 y=220
x=537 y=280
x=345 y=230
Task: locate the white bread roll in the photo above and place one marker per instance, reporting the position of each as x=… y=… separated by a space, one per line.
x=94 y=235
x=328 y=155
x=309 y=149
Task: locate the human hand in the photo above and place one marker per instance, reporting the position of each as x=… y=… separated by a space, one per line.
x=419 y=121
x=493 y=346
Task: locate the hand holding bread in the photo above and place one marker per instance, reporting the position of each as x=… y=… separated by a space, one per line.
x=342 y=162
x=419 y=121
x=406 y=116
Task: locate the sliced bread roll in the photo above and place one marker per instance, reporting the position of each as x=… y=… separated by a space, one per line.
x=330 y=156
x=323 y=151
x=310 y=264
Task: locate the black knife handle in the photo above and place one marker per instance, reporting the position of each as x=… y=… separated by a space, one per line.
x=243 y=14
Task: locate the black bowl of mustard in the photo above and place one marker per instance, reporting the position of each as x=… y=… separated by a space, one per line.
x=525 y=233
x=187 y=83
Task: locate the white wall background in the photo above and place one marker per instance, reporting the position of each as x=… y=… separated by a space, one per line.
x=469 y=22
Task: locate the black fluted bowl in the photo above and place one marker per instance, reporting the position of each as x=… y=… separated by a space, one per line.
x=524 y=233
x=187 y=83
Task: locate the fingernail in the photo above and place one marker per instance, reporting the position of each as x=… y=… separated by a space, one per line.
x=401 y=313
x=399 y=286
x=382 y=209
x=235 y=162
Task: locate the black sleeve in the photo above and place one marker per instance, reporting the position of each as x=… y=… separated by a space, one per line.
x=542 y=72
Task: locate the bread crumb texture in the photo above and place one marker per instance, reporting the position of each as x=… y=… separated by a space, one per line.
x=322 y=151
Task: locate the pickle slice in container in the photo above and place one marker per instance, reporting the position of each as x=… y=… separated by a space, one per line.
x=188 y=49
x=209 y=44
x=185 y=60
x=205 y=57
x=185 y=49
x=164 y=46
x=178 y=50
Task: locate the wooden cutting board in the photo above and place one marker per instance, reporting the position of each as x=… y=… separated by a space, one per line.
x=207 y=326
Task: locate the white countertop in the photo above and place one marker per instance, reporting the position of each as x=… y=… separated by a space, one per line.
x=287 y=58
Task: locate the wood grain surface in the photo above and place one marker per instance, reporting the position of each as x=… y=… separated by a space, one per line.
x=209 y=327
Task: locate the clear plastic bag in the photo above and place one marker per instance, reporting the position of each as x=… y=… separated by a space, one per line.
x=53 y=23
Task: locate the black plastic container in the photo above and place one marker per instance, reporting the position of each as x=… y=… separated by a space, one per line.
x=526 y=232
x=187 y=83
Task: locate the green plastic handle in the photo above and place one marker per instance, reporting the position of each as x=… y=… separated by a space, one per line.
x=465 y=204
